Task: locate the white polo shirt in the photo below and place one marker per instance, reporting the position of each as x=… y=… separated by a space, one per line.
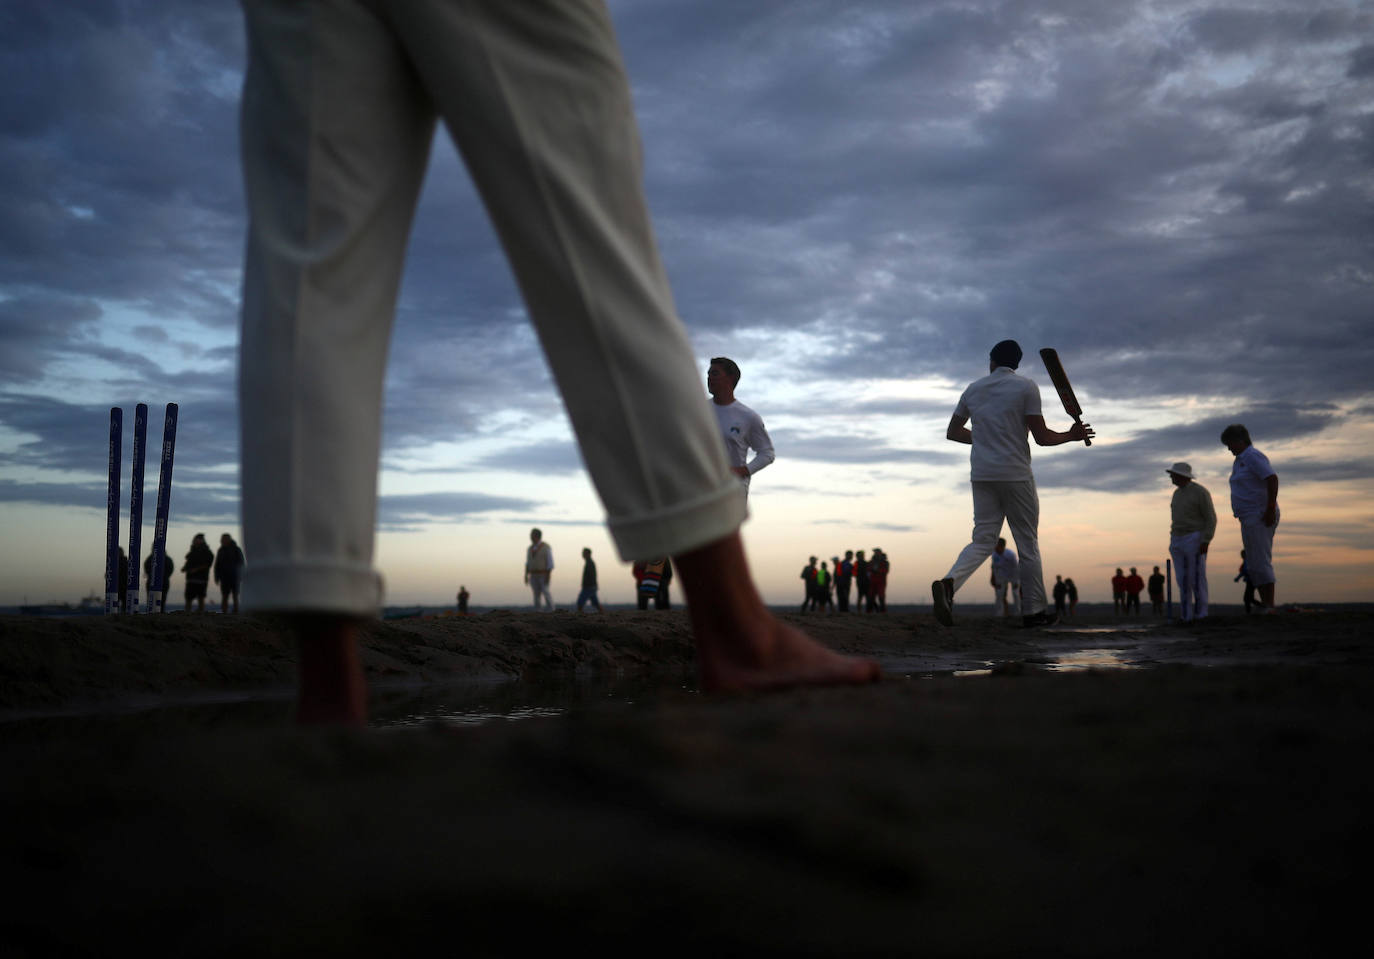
x=996 y=407
x=742 y=429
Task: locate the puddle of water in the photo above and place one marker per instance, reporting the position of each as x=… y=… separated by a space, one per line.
x=1092 y=659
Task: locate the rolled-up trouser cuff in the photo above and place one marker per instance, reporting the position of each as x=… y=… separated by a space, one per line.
x=682 y=528
x=312 y=587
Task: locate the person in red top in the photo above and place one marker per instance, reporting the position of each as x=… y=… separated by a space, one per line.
x=1134 y=584
x=1119 y=592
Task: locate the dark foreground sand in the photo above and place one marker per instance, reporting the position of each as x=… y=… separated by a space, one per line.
x=1218 y=802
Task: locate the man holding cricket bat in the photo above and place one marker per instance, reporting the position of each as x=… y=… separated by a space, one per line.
x=1004 y=408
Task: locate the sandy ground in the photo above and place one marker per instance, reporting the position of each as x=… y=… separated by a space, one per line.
x=1216 y=802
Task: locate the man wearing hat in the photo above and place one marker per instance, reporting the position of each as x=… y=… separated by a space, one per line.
x=1194 y=523
x=1004 y=408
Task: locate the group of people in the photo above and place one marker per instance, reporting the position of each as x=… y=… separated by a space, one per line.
x=652 y=577
x=225 y=565
x=826 y=588
x=1255 y=505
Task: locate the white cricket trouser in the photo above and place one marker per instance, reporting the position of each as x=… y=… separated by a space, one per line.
x=1190 y=569
x=539 y=586
x=1258 y=542
x=340 y=103
x=1018 y=504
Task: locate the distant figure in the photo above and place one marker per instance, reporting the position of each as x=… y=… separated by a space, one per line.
x=1073 y=597
x=1118 y=592
x=861 y=583
x=878 y=569
x=340 y=104
x=1255 y=502
x=122 y=571
x=588 y=593
x=844 y=576
x=1193 y=524
x=1244 y=574
x=1134 y=584
x=539 y=568
x=1061 y=597
x=1004 y=408
x=648 y=580
x=229 y=564
x=663 y=599
x=808 y=578
x=1006 y=580
x=740 y=426
x=824 y=585
x=463 y=597
x=1156 y=588
x=167 y=569
x=197 y=570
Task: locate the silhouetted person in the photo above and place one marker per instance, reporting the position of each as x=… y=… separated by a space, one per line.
x=463 y=597
x=1073 y=596
x=808 y=578
x=228 y=570
x=1193 y=523
x=1118 y=592
x=844 y=577
x=588 y=593
x=340 y=104
x=199 y=559
x=1255 y=503
x=1061 y=597
x=862 y=583
x=539 y=569
x=1134 y=584
x=1004 y=408
x=878 y=569
x=1006 y=580
x=1156 y=590
x=167 y=570
x=663 y=599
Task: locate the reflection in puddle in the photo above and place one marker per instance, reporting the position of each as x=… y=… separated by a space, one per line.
x=463 y=717
x=1093 y=659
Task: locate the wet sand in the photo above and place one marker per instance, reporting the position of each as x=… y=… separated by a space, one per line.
x=1217 y=801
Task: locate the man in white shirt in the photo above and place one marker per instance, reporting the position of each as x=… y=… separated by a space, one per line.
x=1255 y=502
x=1004 y=574
x=740 y=426
x=1004 y=407
x=1192 y=525
x=538 y=568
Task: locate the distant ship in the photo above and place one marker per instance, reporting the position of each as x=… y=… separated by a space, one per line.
x=89 y=606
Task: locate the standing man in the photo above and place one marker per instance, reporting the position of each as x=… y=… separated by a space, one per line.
x=862 y=583
x=588 y=594
x=1119 y=592
x=340 y=103
x=1004 y=407
x=741 y=427
x=1134 y=584
x=1193 y=524
x=1255 y=502
x=808 y=578
x=1005 y=573
x=229 y=564
x=844 y=575
x=539 y=568
x=1061 y=596
x=197 y=569
x=1156 y=588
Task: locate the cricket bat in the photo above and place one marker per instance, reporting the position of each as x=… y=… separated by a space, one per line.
x=1060 y=379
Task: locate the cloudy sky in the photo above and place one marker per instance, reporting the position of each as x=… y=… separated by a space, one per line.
x=854 y=200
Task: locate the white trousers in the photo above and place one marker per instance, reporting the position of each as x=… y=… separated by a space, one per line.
x=1018 y=505
x=340 y=102
x=1258 y=542
x=1190 y=569
x=539 y=586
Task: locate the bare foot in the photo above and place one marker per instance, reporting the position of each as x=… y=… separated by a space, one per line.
x=740 y=644
x=332 y=689
x=773 y=655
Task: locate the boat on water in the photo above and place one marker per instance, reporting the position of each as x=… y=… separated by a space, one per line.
x=91 y=605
